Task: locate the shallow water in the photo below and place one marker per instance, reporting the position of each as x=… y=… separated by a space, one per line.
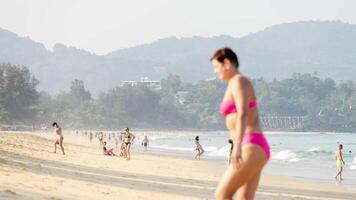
x=300 y=155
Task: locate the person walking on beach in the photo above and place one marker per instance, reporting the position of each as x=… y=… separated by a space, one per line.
x=145 y=142
x=198 y=148
x=59 y=137
x=101 y=139
x=128 y=140
x=339 y=162
x=250 y=149
x=90 y=137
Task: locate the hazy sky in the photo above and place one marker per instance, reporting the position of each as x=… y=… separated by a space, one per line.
x=101 y=26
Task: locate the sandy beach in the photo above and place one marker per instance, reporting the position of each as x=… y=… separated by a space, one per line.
x=28 y=170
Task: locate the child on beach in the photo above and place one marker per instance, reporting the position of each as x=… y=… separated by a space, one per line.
x=123 y=150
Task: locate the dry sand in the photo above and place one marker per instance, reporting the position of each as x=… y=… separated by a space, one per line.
x=28 y=170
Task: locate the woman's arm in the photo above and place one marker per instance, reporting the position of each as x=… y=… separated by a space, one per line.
x=239 y=93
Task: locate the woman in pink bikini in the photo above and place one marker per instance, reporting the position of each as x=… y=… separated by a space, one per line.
x=250 y=150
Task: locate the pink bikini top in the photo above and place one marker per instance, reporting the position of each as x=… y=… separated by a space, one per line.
x=228 y=107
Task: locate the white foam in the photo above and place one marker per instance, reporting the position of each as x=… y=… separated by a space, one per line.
x=314 y=149
x=210 y=148
x=353 y=167
x=153 y=138
x=284 y=155
x=222 y=152
x=295 y=160
x=173 y=148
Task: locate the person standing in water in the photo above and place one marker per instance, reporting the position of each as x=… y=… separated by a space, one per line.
x=198 y=148
x=145 y=142
x=250 y=149
x=339 y=162
x=128 y=140
x=59 y=137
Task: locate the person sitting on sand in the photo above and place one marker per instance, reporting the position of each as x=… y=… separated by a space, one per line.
x=339 y=162
x=199 y=149
x=108 y=152
x=145 y=142
x=59 y=139
x=128 y=140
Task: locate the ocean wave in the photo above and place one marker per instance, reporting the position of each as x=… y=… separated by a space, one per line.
x=153 y=138
x=175 y=148
x=295 y=160
x=222 y=152
x=210 y=148
x=316 y=149
x=285 y=155
x=314 y=153
x=353 y=166
x=166 y=147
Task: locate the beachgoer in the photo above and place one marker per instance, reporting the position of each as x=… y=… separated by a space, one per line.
x=59 y=137
x=250 y=151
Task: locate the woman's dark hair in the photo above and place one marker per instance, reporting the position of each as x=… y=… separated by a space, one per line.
x=226 y=53
x=197 y=138
x=127 y=129
x=54 y=124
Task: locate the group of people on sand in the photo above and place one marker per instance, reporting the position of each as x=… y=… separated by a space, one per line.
x=250 y=150
x=125 y=137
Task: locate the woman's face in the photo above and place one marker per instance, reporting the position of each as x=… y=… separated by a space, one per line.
x=222 y=69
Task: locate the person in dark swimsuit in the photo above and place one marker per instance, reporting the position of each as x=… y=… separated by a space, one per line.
x=128 y=140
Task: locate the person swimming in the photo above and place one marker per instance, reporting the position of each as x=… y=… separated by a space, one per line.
x=250 y=149
x=339 y=162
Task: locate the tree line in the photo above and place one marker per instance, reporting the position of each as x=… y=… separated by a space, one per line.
x=325 y=104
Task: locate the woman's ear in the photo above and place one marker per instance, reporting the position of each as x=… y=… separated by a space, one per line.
x=227 y=63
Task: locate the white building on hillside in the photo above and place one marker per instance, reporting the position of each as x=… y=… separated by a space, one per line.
x=145 y=81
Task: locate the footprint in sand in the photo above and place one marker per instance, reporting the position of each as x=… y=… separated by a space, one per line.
x=55 y=198
x=10 y=192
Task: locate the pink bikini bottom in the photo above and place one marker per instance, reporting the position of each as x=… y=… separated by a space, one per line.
x=259 y=139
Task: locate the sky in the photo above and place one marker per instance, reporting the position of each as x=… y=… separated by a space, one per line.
x=103 y=26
